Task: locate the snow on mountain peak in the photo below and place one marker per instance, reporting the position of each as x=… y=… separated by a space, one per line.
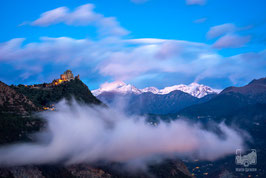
x=112 y=85
x=194 y=89
x=154 y=90
x=199 y=90
x=116 y=86
x=195 y=84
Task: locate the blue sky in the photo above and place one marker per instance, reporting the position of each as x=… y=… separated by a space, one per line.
x=146 y=43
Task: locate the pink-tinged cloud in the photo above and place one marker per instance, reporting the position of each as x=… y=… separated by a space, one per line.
x=51 y=17
x=220 y=30
x=81 y=16
x=96 y=128
x=231 y=41
x=196 y=2
x=120 y=60
x=168 y=50
x=10 y=49
x=201 y=20
x=139 y=1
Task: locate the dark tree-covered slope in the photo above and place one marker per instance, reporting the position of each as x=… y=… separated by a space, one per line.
x=45 y=96
x=12 y=101
x=242 y=108
x=230 y=100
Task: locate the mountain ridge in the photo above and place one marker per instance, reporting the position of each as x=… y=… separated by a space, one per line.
x=43 y=95
x=150 y=103
x=194 y=89
x=243 y=108
x=231 y=99
x=12 y=101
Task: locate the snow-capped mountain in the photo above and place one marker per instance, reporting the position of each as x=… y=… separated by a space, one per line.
x=118 y=87
x=194 y=89
x=153 y=90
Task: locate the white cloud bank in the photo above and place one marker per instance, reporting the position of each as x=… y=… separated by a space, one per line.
x=115 y=57
x=82 y=15
x=133 y=58
x=82 y=134
x=228 y=37
x=220 y=30
x=231 y=41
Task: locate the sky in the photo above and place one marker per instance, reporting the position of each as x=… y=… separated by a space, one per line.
x=142 y=42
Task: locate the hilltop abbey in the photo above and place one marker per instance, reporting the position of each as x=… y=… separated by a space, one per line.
x=66 y=76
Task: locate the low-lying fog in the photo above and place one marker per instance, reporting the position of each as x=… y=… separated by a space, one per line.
x=78 y=133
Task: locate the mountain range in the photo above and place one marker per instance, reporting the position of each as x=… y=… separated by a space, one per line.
x=151 y=100
x=194 y=89
x=230 y=100
x=243 y=108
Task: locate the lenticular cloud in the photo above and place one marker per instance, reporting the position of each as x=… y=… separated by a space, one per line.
x=86 y=134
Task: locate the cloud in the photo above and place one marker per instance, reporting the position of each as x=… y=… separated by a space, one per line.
x=9 y=49
x=168 y=50
x=146 y=41
x=220 y=30
x=231 y=41
x=54 y=53
x=201 y=20
x=123 y=65
x=83 y=134
x=179 y=57
x=139 y=1
x=228 y=36
x=196 y=2
x=239 y=68
x=129 y=60
x=51 y=17
x=53 y=49
x=81 y=16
